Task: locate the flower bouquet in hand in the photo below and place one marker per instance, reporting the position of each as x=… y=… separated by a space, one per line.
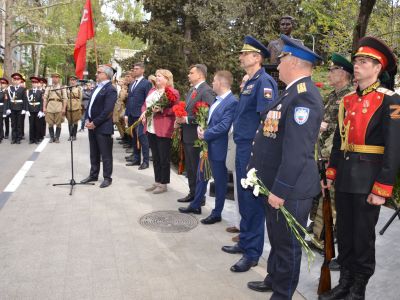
x=168 y=99
x=259 y=188
x=201 y=112
x=180 y=112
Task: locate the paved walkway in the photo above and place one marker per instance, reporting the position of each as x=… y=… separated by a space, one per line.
x=91 y=246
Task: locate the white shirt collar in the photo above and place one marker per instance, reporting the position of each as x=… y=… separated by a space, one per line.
x=223 y=96
x=197 y=85
x=294 y=81
x=103 y=83
x=138 y=79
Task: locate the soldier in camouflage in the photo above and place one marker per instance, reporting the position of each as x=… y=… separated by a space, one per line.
x=339 y=77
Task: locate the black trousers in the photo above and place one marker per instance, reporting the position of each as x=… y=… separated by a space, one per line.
x=355 y=222
x=161 y=150
x=1 y=126
x=35 y=127
x=101 y=145
x=6 y=126
x=16 y=124
x=192 y=158
x=139 y=141
x=284 y=259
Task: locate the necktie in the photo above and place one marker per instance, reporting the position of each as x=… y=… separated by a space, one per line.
x=133 y=85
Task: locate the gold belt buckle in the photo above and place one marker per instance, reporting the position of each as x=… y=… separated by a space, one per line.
x=351 y=147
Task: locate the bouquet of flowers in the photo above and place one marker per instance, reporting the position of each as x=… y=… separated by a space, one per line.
x=201 y=112
x=180 y=112
x=166 y=100
x=259 y=188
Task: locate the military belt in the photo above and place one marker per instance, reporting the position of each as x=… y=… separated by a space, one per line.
x=59 y=100
x=17 y=101
x=34 y=103
x=369 y=149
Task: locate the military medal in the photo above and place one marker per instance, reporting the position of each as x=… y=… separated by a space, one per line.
x=271 y=124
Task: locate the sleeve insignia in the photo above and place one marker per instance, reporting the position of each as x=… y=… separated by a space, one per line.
x=301 y=87
x=394 y=111
x=301 y=115
x=267 y=93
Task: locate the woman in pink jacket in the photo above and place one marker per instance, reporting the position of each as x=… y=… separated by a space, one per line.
x=159 y=119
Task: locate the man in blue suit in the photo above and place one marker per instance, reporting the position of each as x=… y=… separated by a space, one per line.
x=220 y=118
x=137 y=93
x=98 y=118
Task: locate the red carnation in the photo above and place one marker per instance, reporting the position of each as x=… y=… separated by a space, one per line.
x=319 y=85
x=171 y=95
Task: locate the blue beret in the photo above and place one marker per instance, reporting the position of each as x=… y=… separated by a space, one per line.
x=297 y=49
x=253 y=45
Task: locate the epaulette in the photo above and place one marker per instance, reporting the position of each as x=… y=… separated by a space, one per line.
x=385 y=91
x=301 y=87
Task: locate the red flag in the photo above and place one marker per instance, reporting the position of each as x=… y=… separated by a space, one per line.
x=86 y=32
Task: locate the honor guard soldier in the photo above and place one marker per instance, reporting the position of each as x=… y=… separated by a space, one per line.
x=54 y=105
x=74 y=104
x=3 y=103
x=35 y=113
x=258 y=94
x=16 y=107
x=42 y=87
x=283 y=155
x=363 y=164
x=340 y=78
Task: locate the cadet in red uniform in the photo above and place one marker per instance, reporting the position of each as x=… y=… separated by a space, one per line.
x=363 y=164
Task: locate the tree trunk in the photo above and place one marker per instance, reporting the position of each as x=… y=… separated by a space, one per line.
x=38 y=56
x=360 y=29
x=8 y=44
x=188 y=38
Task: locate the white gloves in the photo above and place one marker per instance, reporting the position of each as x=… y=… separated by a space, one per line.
x=40 y=114
x=23 y=112
x=28 y=113
x=8 y=112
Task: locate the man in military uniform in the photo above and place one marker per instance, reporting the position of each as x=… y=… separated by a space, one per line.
x=54 y=106
x=363 y=164
x=339 y=77
x=119 y=108
x=283 y=154
x=6 y=118
x=258 y=94
x=42 y=88
x=286 y=24
x=3 y=103
x=34 y=112
x=16 y=107
x=74 y=104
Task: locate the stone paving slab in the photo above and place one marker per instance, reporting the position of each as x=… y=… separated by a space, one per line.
x=91 y=246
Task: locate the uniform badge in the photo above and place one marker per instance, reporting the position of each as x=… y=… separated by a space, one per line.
x=279 y=107
x=301 y=115
x=301 y=87
x=267 y=93
x=395 y=111
x=248 y=89
x=271 y=124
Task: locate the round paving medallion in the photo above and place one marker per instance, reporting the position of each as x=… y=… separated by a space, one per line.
x=168 y=221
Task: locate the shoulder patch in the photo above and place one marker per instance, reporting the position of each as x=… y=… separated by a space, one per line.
x=301 y=87
x=267 y=93
x=394 y=111
x=385 y=91
x=301 y=115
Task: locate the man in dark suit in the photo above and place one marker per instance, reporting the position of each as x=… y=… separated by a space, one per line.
x=220 y=118
x=283 y=155
x=98 y=118
x=200 y=91
x=137 y=93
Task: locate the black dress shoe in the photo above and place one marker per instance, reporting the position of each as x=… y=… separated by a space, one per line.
x=129 y=150
x=12 y=142
x=89 y=179
x=210 y=220
x=133 y=163
x=235 y=249
x=243 y=265
x=31 y=142
x=259 y=286
x=6 y=137
x=190 y=210
x=127 y=146
x=130 y=157
x=143 y=166
x=106 y=182
x=18 y=142
x=187 y=198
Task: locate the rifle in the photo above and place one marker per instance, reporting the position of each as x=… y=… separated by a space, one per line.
x=325 y=277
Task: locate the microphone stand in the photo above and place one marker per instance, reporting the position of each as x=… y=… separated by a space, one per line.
x=72 y=181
